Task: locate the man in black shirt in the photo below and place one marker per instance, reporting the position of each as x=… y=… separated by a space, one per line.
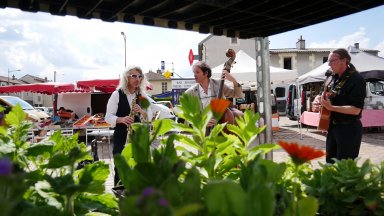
x=346 y=101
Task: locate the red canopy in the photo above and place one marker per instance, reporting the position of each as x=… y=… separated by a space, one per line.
x=43 y=88
x=107 y=85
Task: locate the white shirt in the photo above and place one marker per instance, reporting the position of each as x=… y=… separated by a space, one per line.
x=112 y=105
x=205 y=98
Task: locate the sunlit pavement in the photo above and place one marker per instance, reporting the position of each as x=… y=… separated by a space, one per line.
x=372 y=146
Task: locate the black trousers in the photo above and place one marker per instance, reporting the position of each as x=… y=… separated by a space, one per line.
x=343 y=140
x=117 y=149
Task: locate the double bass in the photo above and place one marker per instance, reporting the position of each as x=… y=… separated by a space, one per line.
x=231 y=113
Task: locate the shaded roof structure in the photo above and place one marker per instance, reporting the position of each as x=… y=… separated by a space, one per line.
x=232 y=18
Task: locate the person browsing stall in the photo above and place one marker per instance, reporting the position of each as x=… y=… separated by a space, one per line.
x=346 y=101
x=207 y=88
x=119 y=107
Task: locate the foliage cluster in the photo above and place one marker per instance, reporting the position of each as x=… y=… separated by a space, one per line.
x=190 y=173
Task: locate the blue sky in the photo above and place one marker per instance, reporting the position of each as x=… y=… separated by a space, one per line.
x=39 y=43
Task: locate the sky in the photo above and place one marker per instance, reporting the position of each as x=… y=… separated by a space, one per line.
x=40 y=44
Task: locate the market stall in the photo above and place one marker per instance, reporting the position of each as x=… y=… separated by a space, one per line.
x=42 y=88
x=103 y=85
x=94 y=126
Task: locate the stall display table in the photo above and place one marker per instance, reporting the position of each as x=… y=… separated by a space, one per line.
x=369 y=118
x=310 y=118
x=373 y=118
x=98 y=131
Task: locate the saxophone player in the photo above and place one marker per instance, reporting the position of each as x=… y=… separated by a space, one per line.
x=119 y=108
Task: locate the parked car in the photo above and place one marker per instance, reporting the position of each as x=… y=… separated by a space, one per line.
x=163 y=111
x=293 y=103
x=375 y=95
x=10 y=101
x=166 y=103
x=48 y=110
x=281 y=92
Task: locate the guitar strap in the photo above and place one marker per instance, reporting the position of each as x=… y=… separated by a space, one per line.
x=336 y=89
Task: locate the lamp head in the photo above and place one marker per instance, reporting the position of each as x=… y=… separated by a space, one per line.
x=122 y=33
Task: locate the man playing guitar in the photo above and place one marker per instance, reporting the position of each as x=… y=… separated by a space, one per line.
x=207 y=88
x=347 y=93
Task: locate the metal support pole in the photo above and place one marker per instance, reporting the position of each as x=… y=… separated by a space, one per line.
x=125 y=48
x=264 y=89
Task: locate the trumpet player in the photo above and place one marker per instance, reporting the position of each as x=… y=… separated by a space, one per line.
x=119 y=108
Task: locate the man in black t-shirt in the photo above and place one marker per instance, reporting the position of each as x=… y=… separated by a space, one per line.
x=346 y=103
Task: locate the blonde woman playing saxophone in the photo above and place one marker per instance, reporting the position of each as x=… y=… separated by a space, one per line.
x=119 y=108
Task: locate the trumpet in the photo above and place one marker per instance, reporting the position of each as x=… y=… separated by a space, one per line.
x=133 y=114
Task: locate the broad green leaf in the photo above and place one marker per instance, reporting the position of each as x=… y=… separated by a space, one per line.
x=225 y=198
x=93 y=176
x=162 y=126
x=308 y=206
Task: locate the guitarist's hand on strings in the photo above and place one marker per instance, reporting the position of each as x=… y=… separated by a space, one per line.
x=211 y=122
x=325 y=101
x=226 y=75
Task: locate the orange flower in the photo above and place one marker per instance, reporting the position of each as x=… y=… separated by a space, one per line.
x=300 y=154
x=218 y=107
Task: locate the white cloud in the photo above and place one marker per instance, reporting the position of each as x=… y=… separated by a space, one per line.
x=380 y=47
x=79 y=49
x=347 y=40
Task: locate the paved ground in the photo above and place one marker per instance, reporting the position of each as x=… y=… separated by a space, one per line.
x=372 y=145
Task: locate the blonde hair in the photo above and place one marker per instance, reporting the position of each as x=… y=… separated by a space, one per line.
x=123 y=84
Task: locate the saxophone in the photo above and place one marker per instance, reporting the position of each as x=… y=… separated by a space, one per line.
x=132 y=114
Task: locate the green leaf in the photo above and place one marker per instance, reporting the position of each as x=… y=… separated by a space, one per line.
x=162 y=126
x=16 y=116
x=225 y=198
x=191 y=186
x=308 y=206
x=188 y=141
x=39 y=149
x=93 y=176
x=140 y=142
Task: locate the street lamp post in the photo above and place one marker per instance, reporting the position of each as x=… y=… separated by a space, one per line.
x=9 y=71
x=125 y=48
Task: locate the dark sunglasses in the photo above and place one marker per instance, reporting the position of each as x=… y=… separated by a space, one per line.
x=136 y=76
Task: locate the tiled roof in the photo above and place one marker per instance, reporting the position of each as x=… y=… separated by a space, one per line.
x=34 y=77
x=152 y=76
x=14 y=81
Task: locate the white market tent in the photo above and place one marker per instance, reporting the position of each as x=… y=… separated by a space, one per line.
x=370 y=67
x=244 y=70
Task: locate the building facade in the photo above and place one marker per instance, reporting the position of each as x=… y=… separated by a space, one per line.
x=212 y=50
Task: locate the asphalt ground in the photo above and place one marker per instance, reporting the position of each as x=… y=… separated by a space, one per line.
x=372 y=146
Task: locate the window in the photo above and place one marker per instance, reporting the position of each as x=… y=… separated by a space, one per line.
x=280 y=91
x=288 y=63
x=164 y=87
x=325 y=59
x=234 y=41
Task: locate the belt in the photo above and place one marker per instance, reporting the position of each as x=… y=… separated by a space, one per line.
x=344 y=122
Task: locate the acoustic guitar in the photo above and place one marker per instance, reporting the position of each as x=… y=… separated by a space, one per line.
x=325 y=117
